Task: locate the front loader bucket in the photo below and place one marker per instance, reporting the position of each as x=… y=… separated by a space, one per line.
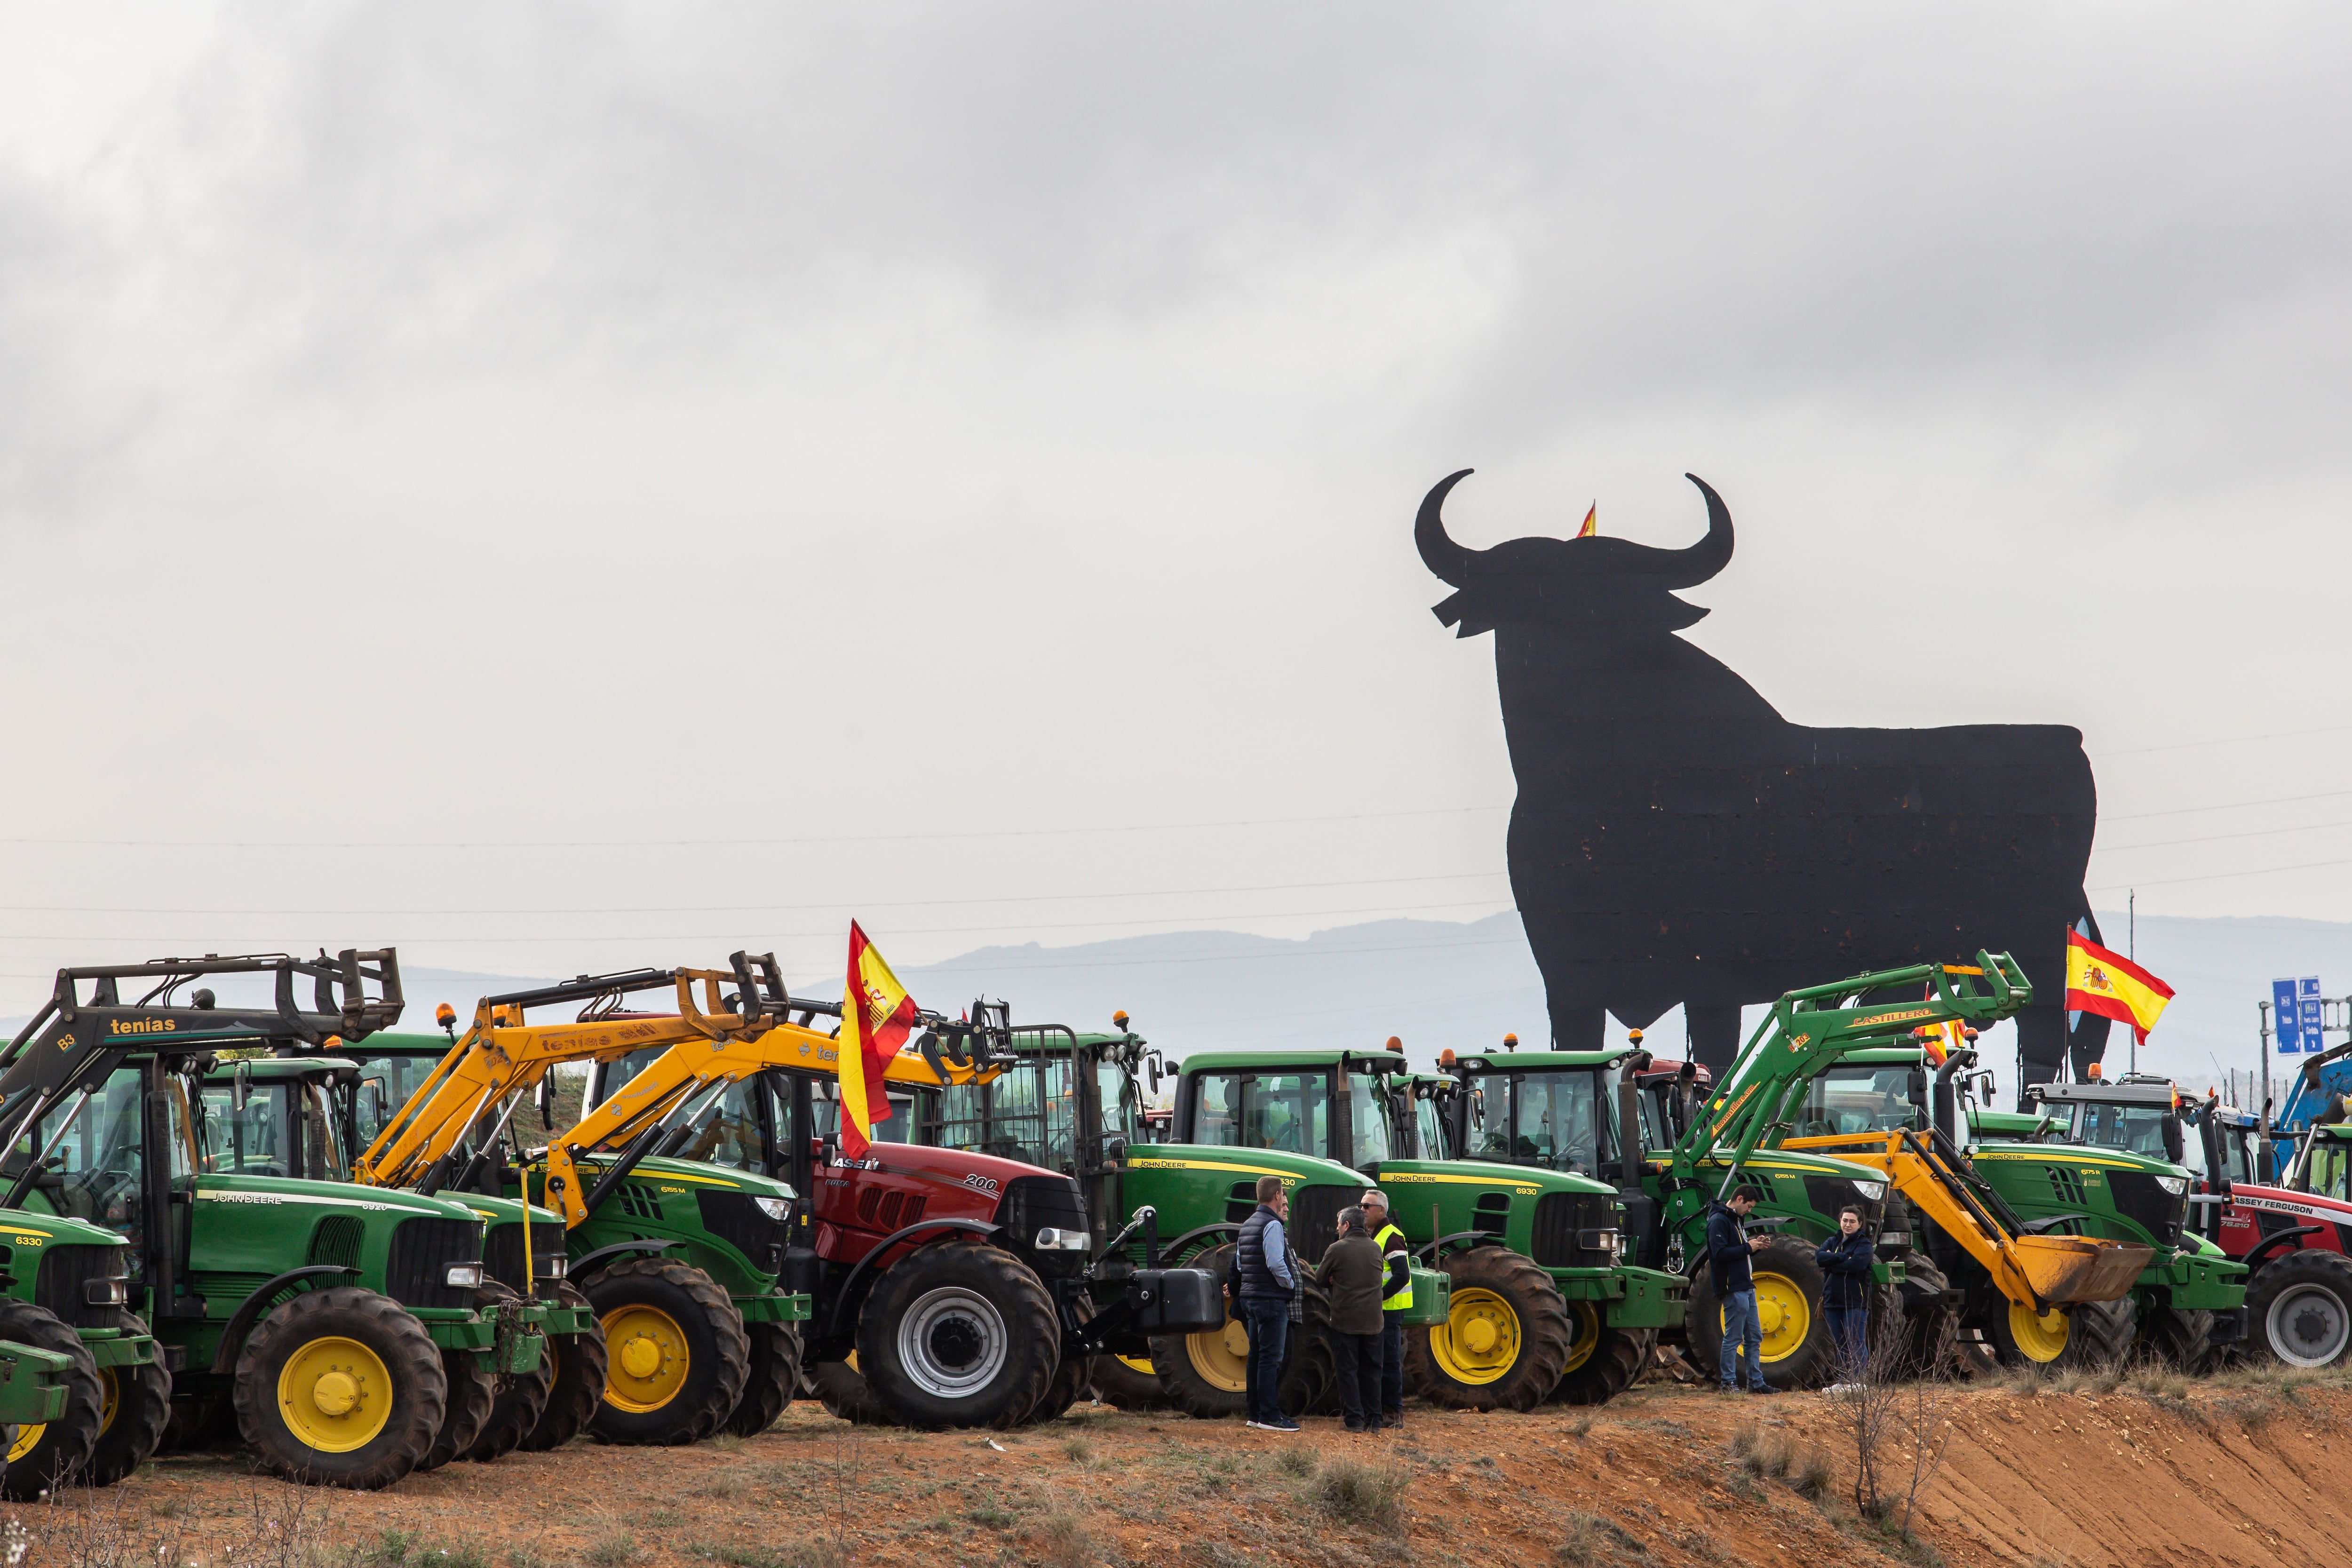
x=2063 y=1270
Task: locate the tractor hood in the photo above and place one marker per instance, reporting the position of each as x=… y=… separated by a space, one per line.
x=1244 y=1165
x=2081 y=1156
x=1530 y=1179
x=505 y=1211
x=713 y=1178
x=33 y=1229
x=288 y=1191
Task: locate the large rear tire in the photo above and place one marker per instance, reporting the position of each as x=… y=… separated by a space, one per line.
x=44 y=1456
x=1798 y=1352
x=340 y=1387
x=2299 y=1309
x=577 y=1386
x=2092 y=1336
x=1129 y=1385
x=1602 y=1361
x=518 y=1399
x=959 y=1334
x=2182 y=1340
x=843 y=1390
x=775 y=1372
x=675 y=1354
x=1505 y=1340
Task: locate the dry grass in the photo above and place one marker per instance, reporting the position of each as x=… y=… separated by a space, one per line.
x=1371 y=1495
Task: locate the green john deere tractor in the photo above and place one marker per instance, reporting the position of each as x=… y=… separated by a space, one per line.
x=291 y=1116
x=331 y=1322
x=1615 y=1118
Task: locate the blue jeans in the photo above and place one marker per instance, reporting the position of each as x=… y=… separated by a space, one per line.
x=1849 y=1340
x=1741 y=1327
x=1267 y=1320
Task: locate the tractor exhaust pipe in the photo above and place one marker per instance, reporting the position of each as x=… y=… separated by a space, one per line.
x=1948 y=1101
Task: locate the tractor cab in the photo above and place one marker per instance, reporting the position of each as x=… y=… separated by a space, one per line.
x=2138 y=1114
x=273 y=1117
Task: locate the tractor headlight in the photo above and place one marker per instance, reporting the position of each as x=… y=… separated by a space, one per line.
x=774 y=1208
x=2176 y=1185
x=463 y=1276
x=1870 y=1191
x=554 y=1266
x=1050 y=1239
x=105 y=1292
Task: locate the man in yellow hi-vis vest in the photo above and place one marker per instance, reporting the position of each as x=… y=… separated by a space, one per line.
x=1398 y=1284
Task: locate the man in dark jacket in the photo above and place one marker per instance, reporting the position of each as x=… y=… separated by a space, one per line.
x=1262 y=1268
x=1728 y=1251
x=1353 y=1273
x=1845 y=1259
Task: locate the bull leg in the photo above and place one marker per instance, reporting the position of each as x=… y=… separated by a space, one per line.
x=2041 y=1047
x=1713 y=1032
x=1579 y=1028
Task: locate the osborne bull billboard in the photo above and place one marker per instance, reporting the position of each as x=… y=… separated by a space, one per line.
x=1676 y=841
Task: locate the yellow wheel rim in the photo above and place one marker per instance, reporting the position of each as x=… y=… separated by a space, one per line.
x=334 y=1395
x=1220 y=1356
x=1782 y=1312
x=647 y=1358
x=110 y=1399
x=26 y=1435
x=1141 y=1363
x=1479 y=1340
x=2042 y=1339
x=1585 y=1319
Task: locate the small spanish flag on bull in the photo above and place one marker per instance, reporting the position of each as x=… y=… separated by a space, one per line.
x=1592 y=521
x=876 y=1015
x=2113 y=986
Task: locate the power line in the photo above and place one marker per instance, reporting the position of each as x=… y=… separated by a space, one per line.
x=2219 y=837
x=2231 y=806
x=2227 y=740
x=2215 y=876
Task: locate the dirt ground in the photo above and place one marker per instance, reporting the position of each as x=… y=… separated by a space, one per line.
x=2084 y=1473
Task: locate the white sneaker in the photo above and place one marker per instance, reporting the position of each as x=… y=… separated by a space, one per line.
x=1835 y=1389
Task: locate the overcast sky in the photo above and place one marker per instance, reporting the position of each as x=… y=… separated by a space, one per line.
x=566 y=487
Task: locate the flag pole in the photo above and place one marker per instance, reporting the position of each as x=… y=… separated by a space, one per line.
x=2131 y=951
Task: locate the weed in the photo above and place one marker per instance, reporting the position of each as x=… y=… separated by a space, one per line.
x=664 y=1519
x=1079 y=1450
x=1062 y=1542
x=619 y=1549
x=820 y=1555
x=1811 y=1471
x=727 y=1442
x=1299 y=1462
x=993 y=1518
x=1581 y=1427
x=1580 y=1541
x=720 y=1487
x=1369 y=1495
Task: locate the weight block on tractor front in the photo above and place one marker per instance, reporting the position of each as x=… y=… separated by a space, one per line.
x=31 y=1383
x=117 y=1349
x=1175 y=1300
x=1433 y=1298
x=774 y=1309
x=1651 y=1300
x=456 y=1334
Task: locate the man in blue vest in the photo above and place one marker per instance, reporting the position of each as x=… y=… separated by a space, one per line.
x=1266 y=1284
x=1397 y=1256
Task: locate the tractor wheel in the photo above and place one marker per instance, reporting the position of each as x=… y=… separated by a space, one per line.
x=675 y=1354
x=1602 y=1361
x=776 y=1372
x=518 y=1399
x=44 y=1456
x=577 y=1385
x=1503 y=1344
x=1071 y=1379
x=2298 y=1310
x=1797 y=1349
x=1310 y=1371
x=138 y=1406
x=1128 y=1383
x=2093 y=1335
x=960 y=1334
x=843 y=1390
x=2182 y=1340
x=1206 y=1375
x=473 y=1390
x=340 y=1387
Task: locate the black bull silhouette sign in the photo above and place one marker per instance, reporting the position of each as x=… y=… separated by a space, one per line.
x=1676 y=840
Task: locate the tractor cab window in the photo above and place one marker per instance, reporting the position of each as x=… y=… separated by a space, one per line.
x=2139 y=1129
x=1657 y=1116
x=1028 y=1113
x=1561 y=1121
x=727 y=1132
x=283 y=1130
x=2329 y=1173
x=1287 y=1111
x=1121 y=1101
x=1861 y=1097
x=898 y=1127
x=385 y=1085
x=1429 y=1130
x=1368 y=1119
x=98 y=1165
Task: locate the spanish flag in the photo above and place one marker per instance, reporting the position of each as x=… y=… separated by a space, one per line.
x=1592 y=522
x=2113 y=986
x=876 y=1015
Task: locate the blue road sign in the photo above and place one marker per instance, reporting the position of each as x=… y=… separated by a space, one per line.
x=2307 y=1014
x=2286 y=1018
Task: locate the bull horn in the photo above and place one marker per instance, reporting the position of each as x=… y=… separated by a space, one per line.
x=1446 y=561
x=1688 y=567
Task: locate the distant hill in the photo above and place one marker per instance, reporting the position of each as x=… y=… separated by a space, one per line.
x=1435 y=984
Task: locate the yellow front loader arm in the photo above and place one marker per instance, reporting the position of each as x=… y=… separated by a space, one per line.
x=2036 y=1272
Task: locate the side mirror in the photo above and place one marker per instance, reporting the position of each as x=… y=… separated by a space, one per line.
x=1114 y=1150
x=547 y=1099
x=2175 y=1146
x=241 y=1090
x=1151 y=1065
